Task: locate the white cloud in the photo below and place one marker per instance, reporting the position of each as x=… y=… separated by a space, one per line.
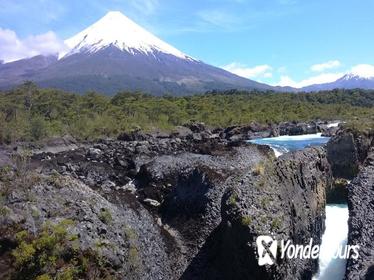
x=363 y=70
x=319 y=79
x=13 y=48
x=260 y=71
x=325 y=66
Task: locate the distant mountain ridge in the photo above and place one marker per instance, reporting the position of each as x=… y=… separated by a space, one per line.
x=18 y=71
x=348 y=81
x=116 y=54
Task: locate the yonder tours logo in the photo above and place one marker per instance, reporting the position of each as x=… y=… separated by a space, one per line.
x=268 y=249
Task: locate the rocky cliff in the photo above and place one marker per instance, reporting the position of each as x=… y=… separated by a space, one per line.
x=285 y=200
x=347 y=150
x=361 y=221
x=166 y=207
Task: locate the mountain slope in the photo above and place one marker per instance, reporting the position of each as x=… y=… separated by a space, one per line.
x=110 y=70
x=24 y=69
x=116 y=54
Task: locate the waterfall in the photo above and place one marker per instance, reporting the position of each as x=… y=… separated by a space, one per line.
x=334 y=238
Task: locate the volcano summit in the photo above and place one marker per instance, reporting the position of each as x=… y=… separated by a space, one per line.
x=116 y=54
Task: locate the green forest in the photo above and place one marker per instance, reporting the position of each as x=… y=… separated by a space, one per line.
x=29 y=113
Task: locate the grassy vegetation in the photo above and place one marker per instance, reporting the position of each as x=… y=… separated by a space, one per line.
x=361 y=125
x=259 y=169
x=233 y=199
x=54 y=254
x=51 y=252
x=276 y=224
x=246 y=220
x=29 y=113
x=105 y=216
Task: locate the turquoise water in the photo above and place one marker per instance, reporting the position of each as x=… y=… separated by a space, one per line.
x=284 y=144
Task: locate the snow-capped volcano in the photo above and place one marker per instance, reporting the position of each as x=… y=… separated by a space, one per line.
x=356 y=77
x=351 y=76
x=352 y=80
x=360 y=76
x=115 y=29
x=361 y=71
x=115 y=54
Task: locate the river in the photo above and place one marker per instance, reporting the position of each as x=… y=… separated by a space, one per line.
x=284 y=144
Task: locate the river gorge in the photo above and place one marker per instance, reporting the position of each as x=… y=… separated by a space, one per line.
x=190 y=205
x=336 y=223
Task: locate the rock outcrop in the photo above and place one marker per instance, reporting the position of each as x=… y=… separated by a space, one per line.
x=298 y=128
x=361 y=222
x=347 y=151
x=285 y=201
x=190 y=188
x=219 y=205
x=120 y=232
x=338 y=193
x=251 y=131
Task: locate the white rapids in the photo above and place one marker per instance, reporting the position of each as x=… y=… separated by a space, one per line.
x=333 y=239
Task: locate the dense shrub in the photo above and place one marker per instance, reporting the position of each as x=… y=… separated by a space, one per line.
x=29 y=113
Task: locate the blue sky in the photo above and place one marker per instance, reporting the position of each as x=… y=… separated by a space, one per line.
x=288 y=42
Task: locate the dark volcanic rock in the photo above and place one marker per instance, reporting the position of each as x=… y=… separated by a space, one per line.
x=338 y=193
x=343 y=156
x=181 y=132
x=295 y=128
x=286 y=201
x=123 y=236
x=118 y=161
x=361 y=222
x=328 y=131
x=4 y=157
x=251 y=131
x=346 y=151
x=218 y=205
x=136 y=135
x=191 y=186
x=196 y=127
x=192 y=208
